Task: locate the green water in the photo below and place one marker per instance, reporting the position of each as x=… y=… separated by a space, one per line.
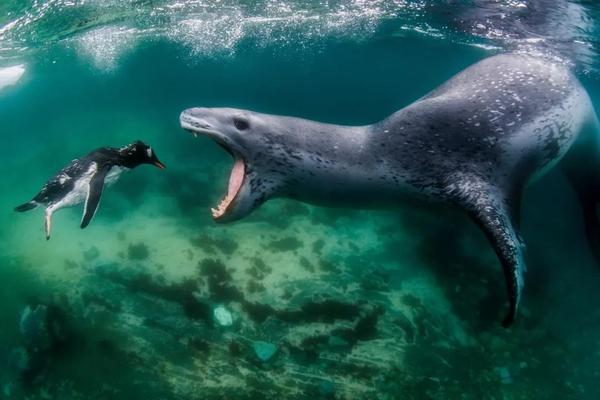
x=378 y=304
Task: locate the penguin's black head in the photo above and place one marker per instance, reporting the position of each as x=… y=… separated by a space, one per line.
x=138 y=153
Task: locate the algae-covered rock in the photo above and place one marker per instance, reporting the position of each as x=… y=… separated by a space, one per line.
x=264 y=350
x=504 y=374
x=34 y=328
x=223 y=316
x=324 y=324
x=91 y=254
x=327 y=389
x=138 y=251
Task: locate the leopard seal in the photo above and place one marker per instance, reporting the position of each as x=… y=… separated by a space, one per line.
x=475 y=142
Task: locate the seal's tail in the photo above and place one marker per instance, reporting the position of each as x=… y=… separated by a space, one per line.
x=30 y=205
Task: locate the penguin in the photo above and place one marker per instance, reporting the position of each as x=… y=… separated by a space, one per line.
x=84 y=179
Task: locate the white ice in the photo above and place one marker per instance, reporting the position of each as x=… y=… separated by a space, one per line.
x=11 y=75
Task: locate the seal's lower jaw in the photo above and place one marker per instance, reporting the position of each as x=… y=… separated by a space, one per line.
x=236 y=177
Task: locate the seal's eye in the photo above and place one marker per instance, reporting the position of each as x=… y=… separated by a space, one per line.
x=240 y=123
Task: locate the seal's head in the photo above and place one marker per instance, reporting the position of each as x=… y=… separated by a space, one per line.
x=248 y=137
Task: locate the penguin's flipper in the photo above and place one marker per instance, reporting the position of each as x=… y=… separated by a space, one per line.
x=93 y=196
x=488 y=207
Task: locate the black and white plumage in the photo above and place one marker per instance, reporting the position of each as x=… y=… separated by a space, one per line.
x=83 y=180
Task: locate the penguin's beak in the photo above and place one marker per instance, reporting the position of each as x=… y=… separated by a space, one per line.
x=158 y=164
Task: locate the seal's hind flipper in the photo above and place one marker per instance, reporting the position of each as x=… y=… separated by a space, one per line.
x=93 y=196
x=495 y=222
x=487 y=206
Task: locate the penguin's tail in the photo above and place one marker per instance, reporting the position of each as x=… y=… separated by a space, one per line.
x=30 y=205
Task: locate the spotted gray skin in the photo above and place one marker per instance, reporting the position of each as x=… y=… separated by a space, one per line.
x=474 y=142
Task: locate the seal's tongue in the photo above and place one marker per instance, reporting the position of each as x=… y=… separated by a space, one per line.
x=236 y=179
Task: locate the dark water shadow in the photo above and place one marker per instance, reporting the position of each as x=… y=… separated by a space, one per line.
x=457 y=253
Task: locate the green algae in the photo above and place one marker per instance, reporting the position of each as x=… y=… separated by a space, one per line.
x=138 y=251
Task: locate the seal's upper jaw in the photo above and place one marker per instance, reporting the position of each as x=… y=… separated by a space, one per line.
x=197 y=121
x=201 y=121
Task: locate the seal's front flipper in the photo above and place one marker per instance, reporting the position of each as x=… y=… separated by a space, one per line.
x=487 y=206
x=93 y=196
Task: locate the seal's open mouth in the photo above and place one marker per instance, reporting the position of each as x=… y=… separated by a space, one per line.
x=238 y=172
x=236 y=180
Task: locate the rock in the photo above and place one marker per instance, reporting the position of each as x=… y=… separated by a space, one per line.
x=337 y=342
x=7 y=389
x=12 y=364
x=497 y=344
x=264 y=350
x=504 y=375
x=34 y=327
x=234 y=348
x=327 y=389
x=223 y=316
x=138 y=251
x=19 y=359
x=374 y=281
x=46 y=335
x=91 y=254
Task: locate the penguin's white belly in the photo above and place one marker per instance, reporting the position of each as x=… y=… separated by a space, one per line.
x=81 y=187
x=113 y=175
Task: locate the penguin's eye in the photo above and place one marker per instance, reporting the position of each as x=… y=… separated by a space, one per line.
x=149 y=152
x=240 y=124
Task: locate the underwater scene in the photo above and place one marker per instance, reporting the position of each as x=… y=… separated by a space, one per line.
x=293 y=287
